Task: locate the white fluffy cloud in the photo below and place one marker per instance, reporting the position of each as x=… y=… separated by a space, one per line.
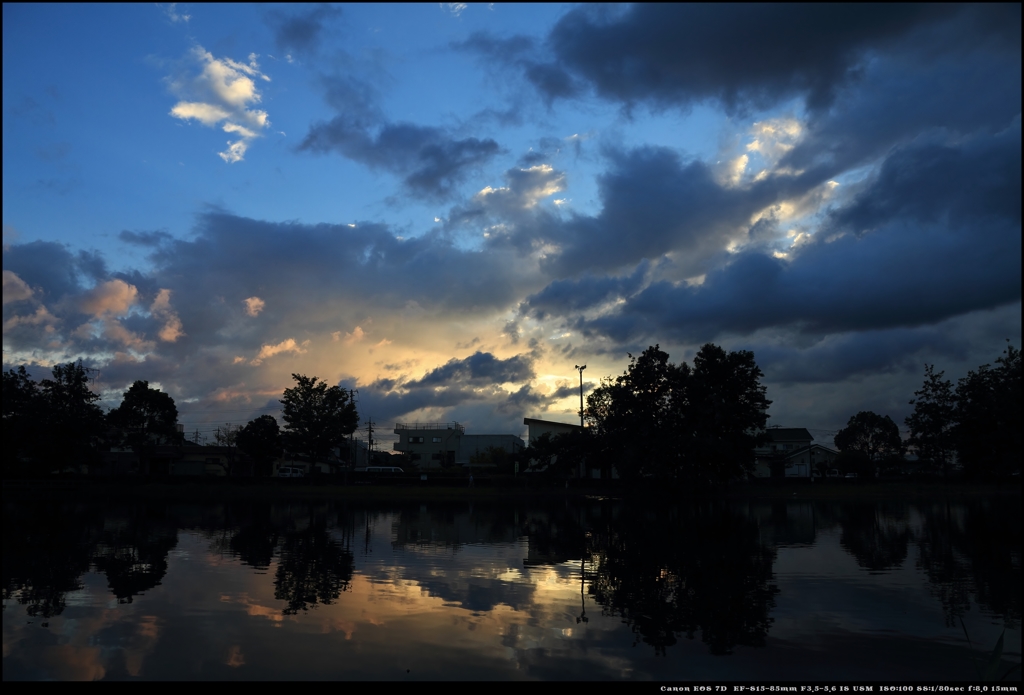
x=289 y=345
x=223 y=92
x=253 y=306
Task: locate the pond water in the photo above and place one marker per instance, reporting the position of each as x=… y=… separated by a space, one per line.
x=566 y=590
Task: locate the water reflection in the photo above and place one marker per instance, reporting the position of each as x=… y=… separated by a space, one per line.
x=686 y=571
x=313 y=568
x=565 y=590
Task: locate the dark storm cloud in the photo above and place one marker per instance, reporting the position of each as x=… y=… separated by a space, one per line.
x=511 y=331
x=579 y=295
x=932 y=184
x=937 y=234
x=479 y=368
x=430 y=160
x=746 y=55
x=301 y=32
x=841 y=356
x=653 y=203
x=929 y=93
x=144 y=238
x=290 y=265
x=45 y=265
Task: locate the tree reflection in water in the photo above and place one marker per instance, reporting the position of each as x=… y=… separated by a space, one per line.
x=313 y=569
x=133 y=546
x=680 y=571
x=47 y=549
x=666 y=570
x=973 y=549
x=876 y=534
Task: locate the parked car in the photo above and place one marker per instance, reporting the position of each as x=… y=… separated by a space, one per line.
x=384 y=469
x=290 y=472
x=850 y=475
x=833 y=473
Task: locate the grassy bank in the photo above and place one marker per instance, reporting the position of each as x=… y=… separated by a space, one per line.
x=80 y=489
x=842 y=490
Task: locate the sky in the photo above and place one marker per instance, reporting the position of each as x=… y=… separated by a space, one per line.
x=447 y=208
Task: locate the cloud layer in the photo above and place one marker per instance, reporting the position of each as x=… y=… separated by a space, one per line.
x=858 y=215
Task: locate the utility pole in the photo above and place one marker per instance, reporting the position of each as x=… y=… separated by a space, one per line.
x=369 y=448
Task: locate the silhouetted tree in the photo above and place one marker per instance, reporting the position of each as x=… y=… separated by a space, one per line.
x=53 y=424
x=227 y=437
x=726 y=406
x=73 y=420
x=636 y=416
x=558 y=456
x=23 y=414
x=260 y=440
x=988 y=415
x=317 y=417
x=932 y=424
x=146 y=418
x=875 y=437
x=673 y=421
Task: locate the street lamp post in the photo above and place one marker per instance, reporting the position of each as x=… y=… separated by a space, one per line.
x=580 y=370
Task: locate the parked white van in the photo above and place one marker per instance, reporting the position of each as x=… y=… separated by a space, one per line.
x=290 y=472
x=384 y=469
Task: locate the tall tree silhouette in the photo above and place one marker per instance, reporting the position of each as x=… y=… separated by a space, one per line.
x=260 y=440
x=146 y=418
x=988 y=414
x=698 y=424
x=932 y=424
x=317 y=417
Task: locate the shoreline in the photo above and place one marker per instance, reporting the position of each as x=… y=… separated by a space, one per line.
x=77 y=490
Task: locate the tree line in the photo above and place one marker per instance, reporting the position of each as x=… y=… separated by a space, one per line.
x=973 y=426
x=56 y=424
x=696 y=424
x=699 y=425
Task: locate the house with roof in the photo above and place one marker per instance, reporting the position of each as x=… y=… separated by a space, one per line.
x=790 y=452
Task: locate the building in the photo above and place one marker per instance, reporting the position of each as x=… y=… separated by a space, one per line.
x=790 y=452
x=538 y=428
x=436 y=444
x=471 y=446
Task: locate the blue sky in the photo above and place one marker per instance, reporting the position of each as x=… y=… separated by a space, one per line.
x=447 y=207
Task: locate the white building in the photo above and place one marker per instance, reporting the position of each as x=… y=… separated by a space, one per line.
x=793 y=450
x=433 y=444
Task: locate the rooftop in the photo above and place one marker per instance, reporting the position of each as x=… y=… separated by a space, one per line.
x=779 y=434
x=528 y=420
x=429 y=426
